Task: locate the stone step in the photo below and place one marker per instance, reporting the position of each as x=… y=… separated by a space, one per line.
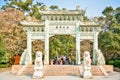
x=61 y=70
x=58 y=70
x=96 y=71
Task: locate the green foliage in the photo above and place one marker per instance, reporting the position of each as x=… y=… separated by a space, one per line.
x=27 y=6
x=35 y=12
x=108 y=11
x=115 y=63
x=64 y=9
x=72 y=58
x=117 y=14
x=61 y=45
x=3 y=53
x=110 y=62
x=109 y=39
x=53 y=7
x=4 y=65
x=37 y=15
x=22 y=5
x=85 y=18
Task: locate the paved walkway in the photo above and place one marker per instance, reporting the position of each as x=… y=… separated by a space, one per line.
x=10 y=76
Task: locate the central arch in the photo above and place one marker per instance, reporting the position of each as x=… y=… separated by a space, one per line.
x=37 y=45
x=62 y=46
x=86 y=45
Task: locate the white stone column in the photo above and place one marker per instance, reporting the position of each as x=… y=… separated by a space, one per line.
x=78 y=43
x=46 y=55
x=95 y=46
x=29 y=48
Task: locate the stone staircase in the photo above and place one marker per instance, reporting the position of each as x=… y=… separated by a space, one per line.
x=96 y=71
x=68 y=70
x=62 y=70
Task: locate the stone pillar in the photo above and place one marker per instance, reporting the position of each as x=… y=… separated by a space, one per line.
x=77 y=43
x=46 y=55
x=95 y=46
x=29 y=49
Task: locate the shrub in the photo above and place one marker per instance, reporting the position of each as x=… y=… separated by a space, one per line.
x=3 y=52
x=117 y=63
x=110 y=62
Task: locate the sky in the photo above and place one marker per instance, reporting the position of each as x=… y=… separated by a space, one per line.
x=93 y=7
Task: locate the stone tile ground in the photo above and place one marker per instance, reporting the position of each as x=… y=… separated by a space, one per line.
x=10 y=76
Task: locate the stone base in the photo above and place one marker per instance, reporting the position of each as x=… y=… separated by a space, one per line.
x=22 y=69
x=30 y=69
x=87 y=74
x=38 y=79
x=38 y=75
x=108 y=68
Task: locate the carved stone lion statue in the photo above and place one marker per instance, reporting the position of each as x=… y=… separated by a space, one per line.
x=23 y=57
x=38 y=67
x=87 y=60
x=87 y=65
x=100 y=58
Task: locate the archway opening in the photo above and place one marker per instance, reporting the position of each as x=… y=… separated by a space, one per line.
x=62 y=48
x=37 y=45
x=86 y=45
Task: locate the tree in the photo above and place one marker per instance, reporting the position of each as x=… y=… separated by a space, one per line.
x=108 y=12
x=12 y=31
x=109 y=40
x=85 y=18
x=22 y=5
x=117 y=10
x=26 y=6
x=62 y=45
x=53 y=7
x=64 y=9
x=3 y=51
x=117 y=14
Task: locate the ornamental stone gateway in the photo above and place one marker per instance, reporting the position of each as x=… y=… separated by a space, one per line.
x=61 y=22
